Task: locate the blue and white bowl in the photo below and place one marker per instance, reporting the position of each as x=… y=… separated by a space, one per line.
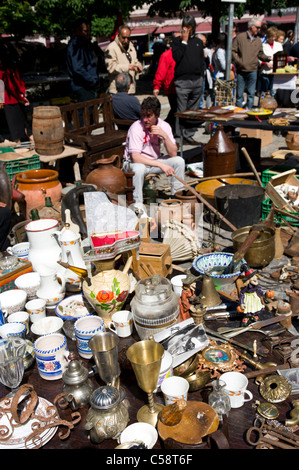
x=213 y=264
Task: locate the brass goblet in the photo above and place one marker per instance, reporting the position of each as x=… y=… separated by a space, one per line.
x=145 y=357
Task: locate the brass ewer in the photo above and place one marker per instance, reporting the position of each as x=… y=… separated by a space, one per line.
x=145 y=357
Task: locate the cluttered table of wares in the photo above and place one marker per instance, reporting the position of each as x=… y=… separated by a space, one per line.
x=237 y=117
x=235 y=426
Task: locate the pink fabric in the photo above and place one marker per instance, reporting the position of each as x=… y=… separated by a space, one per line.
x=139 y=140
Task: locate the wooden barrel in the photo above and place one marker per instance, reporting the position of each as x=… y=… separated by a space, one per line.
x=47 y=129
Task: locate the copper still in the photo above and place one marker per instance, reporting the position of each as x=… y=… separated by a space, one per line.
x=219 y=155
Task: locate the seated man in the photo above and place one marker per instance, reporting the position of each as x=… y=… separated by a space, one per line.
x=125 y=106
x=143 y=148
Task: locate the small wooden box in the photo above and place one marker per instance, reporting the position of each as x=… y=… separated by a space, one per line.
x=8 y=276
x=154 y=258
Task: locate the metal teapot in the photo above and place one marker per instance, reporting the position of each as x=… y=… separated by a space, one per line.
x=108 y=415
x=77 y=383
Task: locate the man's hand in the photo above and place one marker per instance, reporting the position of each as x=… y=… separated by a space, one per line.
x=185 y=34
x=168 y=170
x=156 y=130
x=156 y=92
x=2 y=204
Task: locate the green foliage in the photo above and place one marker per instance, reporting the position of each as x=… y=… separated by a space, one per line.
x=50 y=17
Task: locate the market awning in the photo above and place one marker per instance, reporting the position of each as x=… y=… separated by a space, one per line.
x=142 y=30
x=280 y=19
x=168 y=29
x=203 y=27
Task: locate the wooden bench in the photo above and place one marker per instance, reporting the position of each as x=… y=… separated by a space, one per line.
x=81 y=120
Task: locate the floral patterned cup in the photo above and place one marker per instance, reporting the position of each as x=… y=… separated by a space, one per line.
x=36 y=309
x=122 y=323
x=51 y=355
x=85 y=328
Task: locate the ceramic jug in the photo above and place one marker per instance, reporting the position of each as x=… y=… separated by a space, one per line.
x=43 y=247
x=52 y=285
x=108 y=289
x=108 y=175
x=71 y=254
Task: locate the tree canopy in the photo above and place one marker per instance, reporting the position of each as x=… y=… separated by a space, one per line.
x=55 y=17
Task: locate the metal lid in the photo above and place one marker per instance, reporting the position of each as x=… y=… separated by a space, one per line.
x=106 y=397
x=75 y=373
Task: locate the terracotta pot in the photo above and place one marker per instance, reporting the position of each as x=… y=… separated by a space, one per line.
x=170 y=209
x=108 y=176
x=268 y=102
x=292 y=140
x=36 y=185
x=187 y=198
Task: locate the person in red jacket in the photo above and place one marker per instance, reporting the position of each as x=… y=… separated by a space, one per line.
x=164 y=78
x=13 y=99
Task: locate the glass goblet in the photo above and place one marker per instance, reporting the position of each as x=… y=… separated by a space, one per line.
x=12 y=350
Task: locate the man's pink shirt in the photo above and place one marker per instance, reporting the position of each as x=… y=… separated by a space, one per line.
x=139 y=140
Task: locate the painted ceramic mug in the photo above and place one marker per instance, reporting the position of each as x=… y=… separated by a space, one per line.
x=122 y=323
x=174 y=389
x=236 y=384
x=12 y=329
x=85 y=328
x=36 y=309
x=21 y=317
x=51 y=353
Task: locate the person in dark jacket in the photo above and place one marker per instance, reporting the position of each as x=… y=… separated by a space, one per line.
x=188 y=54
x=82 y=64
x=125 y=106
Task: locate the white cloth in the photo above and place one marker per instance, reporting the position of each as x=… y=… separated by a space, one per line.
x=270 y=51
x=219 y=62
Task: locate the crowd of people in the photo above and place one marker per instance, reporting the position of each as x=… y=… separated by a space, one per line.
x=185 y=68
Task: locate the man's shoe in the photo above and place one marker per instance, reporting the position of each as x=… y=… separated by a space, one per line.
x=191 y=141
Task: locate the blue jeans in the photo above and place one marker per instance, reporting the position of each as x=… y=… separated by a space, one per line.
x=248 y=80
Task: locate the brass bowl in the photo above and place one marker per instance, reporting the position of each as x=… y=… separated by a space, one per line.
x=262 y=250
x=198 y=380
x=186 y=368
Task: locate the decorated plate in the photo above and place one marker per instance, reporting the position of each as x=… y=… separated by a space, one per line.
x=73 y=307
x=20 y=434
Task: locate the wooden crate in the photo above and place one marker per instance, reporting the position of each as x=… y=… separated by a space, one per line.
x=154 y=258
x=288 y=177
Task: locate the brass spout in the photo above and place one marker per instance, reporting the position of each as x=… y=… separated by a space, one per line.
x=294 y=420
x=258 y=366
